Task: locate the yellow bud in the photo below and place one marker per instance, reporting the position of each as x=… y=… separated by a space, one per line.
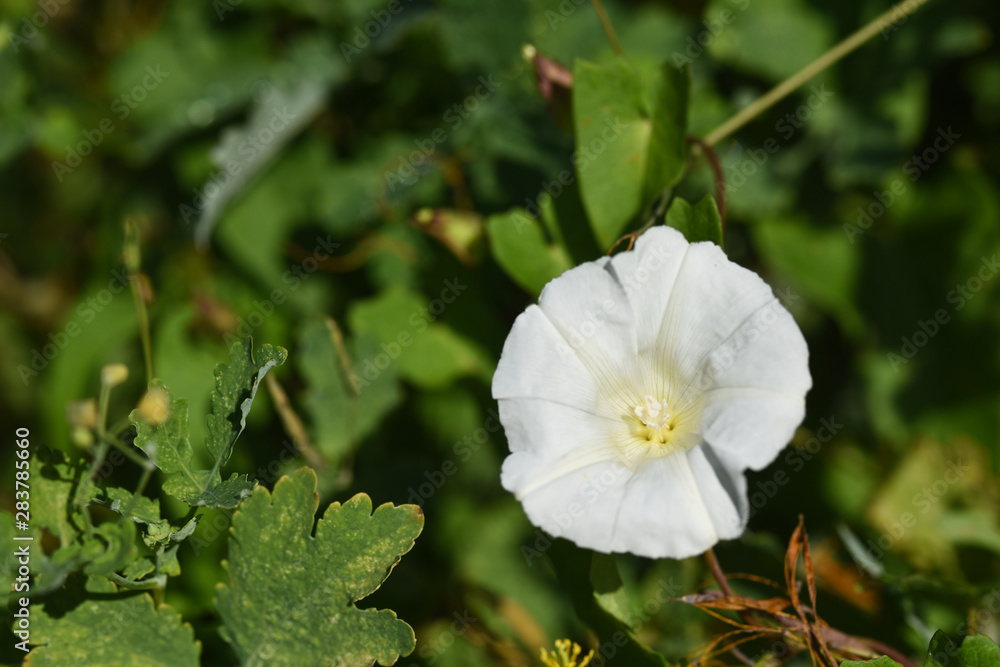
x=154 y=406
x=113 y=375
x=82 y=414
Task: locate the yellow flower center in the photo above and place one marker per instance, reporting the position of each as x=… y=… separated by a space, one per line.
x=656 y=429
x=655 y=416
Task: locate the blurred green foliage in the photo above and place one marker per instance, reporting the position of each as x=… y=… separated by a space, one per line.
x=380 y=187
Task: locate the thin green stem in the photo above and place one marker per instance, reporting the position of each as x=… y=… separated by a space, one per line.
x=157 y=582
x=787 y=86
x=720 y=179
x=133 y=263
x=83 y=491
x=142 y=315
x=143 y=480
x=103 y=401
x=140 y=461
x=608 y=28
x=82 y=498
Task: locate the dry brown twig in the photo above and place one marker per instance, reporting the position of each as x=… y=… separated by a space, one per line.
x=787 y=618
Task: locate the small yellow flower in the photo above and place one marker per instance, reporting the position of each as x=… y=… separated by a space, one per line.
x=565 y=655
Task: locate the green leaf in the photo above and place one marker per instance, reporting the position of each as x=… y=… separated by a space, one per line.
x=608 y=588
x=139 y=509
x=770 y=38
x=575 y=569
x=975 y=651
x=700 y=222
x=818 y=262
x=883 y=661
x=233 y=382
x=630 y=137
x=296 y=106
x=53 y=488
x=139 y=568
x=108 y=549
x=425 y=351
x=668 y=93
x=291 y=597
x=519 y=246
x=169 y=446
x=341 y=417
x=124 y=632
x=113 y=548
x=146 y=511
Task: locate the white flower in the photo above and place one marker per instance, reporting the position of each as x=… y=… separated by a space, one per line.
x=638 y=391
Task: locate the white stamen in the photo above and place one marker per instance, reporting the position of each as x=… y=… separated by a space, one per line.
x=653 y=414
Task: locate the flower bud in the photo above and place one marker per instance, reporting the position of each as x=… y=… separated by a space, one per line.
x=82 y=414
x=113 y=375
x=154 y=406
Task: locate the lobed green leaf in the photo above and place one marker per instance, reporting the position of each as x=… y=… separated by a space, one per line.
x=290 y=599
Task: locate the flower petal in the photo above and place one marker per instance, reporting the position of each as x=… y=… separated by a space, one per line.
x=711 y=299
x=552 y=430
x=587 y=305
x=537 y=363
x=724 y=490
x=647 y=274
x=674 y=506
x=747 y=427
x=767 y=352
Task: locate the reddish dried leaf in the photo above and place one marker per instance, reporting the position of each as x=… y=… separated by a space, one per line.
x=843 y=581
